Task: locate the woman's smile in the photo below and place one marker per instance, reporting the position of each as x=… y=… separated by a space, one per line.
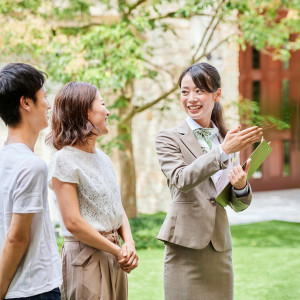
x=194 y=108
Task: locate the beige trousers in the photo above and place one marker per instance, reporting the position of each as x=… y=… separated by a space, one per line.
x=191 y=274
x=91 y=274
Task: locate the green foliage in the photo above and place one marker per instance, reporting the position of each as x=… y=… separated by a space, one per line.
x=19 y=6
x=64 y=39
x=145 y=229
x=268 y=24
x=111 y=144
x=250 y=114
x=118 y=46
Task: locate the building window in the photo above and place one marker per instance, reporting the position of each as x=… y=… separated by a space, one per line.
x=256 y=91
x=286 y=158
x=286 y=109
x=255 y=59
x=256 y=99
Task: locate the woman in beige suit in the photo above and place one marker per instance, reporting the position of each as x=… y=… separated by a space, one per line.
x=199 y=157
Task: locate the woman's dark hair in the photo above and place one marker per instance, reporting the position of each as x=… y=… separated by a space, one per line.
x=70 y=123
x=206 y=77
x=17 y=80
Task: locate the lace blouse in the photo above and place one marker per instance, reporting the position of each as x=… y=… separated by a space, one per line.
x=97 y=189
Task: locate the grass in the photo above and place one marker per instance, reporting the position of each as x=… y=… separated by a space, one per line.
x=266 y=273
x=146 y=281
x=266 y=260
x=278 y=234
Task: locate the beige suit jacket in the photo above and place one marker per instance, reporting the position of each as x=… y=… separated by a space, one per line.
x=194 y=217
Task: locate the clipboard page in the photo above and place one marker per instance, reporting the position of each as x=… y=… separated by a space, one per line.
x=257 y=158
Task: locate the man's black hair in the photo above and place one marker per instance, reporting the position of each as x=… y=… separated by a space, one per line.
x=17 y=80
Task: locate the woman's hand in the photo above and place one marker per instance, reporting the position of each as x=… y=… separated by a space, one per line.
x=129 y=259
x=237 y=140
x=119 y=254
x=238 y=176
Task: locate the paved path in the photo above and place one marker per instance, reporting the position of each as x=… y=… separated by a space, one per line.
x=275 y=205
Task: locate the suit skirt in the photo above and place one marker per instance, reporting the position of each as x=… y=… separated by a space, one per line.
x=191 y=274
x=89 y=273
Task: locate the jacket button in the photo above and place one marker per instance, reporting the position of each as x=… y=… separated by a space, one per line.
x=212 y=201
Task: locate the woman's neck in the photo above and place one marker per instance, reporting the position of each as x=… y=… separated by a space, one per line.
x=89 y=146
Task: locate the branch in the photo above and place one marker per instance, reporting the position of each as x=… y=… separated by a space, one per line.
x=193 y=60
x=148 y=105
x=157 y=67
x=211 y=34
x=215 y=47
x=173 y=14
x=78 y=26
x=133 y=6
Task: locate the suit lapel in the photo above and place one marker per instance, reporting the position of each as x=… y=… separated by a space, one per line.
x=188 y=138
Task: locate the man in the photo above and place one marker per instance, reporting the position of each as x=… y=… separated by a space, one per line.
x=29 y=258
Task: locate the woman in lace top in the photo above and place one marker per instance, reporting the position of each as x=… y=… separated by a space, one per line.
x=91 y=211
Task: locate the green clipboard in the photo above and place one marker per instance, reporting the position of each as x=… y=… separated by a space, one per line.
x=257 y=157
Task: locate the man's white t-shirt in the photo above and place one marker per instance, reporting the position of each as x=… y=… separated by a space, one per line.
x=23 y=189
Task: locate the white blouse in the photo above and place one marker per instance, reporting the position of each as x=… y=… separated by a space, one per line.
x=97 y=189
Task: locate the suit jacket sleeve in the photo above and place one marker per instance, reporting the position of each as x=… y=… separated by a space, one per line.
x=173 y=164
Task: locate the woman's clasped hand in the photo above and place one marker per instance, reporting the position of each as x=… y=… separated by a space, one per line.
x=128 y=258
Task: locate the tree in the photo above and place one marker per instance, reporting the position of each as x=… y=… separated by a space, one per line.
x=69 y=40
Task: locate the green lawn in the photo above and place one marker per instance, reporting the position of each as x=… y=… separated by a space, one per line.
x=266 y=259
x=146 y=282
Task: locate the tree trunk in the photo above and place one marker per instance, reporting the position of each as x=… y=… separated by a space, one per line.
x=126 y=159
x=127 y=170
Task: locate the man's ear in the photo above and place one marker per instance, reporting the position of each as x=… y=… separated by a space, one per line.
x=217 y=95
x=24 y=103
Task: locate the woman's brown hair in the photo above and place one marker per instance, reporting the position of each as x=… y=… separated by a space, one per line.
x=70 y=123
x=206 y=77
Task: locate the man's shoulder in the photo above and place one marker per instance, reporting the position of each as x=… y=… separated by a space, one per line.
x=19 y=158
x=35 y=164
